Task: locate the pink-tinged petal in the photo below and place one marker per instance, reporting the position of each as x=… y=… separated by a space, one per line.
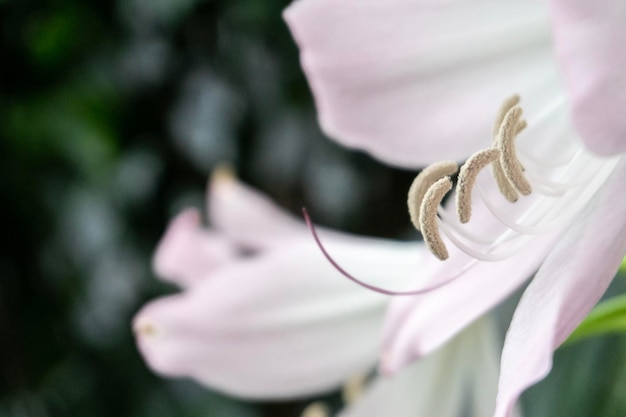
x=590 y=38
x=570 y=282
x=188 y=252
x=279 y=325
x=440 y=384
x=249 y=217
x=417 y=81
x=417 y=325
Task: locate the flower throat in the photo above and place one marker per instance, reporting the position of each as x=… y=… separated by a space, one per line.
x=542 y=185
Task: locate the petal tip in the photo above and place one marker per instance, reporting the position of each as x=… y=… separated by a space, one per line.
x=388 y=367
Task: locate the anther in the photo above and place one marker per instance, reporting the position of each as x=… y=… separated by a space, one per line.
x=508 y=158
x=428 y=217
x=507 y=105
x=504 y=185
x=145 y=327
x=353 y=388
x=316 y=409
x=423 y=182
x=467 y=178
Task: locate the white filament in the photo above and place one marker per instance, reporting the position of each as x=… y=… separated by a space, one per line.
x=557 y=202
x=556 y=176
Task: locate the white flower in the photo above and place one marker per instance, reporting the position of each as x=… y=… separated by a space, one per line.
x=417 y=81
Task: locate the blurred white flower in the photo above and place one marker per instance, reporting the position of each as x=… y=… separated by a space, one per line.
x=263 y=315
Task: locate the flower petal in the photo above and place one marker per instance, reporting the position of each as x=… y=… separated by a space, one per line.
x=417 y=81
x=248 y=216
x=188 y=252
x=463 y=365
x=278 y=325
x=590 y=38
x=415 y=326
x=570 y=282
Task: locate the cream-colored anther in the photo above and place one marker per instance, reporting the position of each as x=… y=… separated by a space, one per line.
x=353 y=388
x=504 y=109
x=504 y=185
x=467 y=178
x=428 y=217
x=316 y=409
x=508 y=157
x=145 y=327
x=423 y=182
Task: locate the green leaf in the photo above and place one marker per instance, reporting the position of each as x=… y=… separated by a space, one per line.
x=607 y=317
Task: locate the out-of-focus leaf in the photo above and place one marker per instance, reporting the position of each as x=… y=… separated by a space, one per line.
x=608 y=317
x=52 y=38
x=73 y=122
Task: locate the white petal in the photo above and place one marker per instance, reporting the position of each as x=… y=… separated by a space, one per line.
x=413 y=82
x=188 y=252
x=590 y=38
x=248 y=216
x=438 y=384
x=278 y=325
x=570 y=282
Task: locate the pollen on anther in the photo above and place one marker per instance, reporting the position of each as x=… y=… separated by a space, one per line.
x=353 y=389
x=467 y=178
x=422 y=183
x=428 y=217
x=316 y=409
x=145 y=327
x=507 y=105
x=508 y=158
x=504 y=185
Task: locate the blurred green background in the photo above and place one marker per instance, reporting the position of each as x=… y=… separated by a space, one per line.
x=112 y=116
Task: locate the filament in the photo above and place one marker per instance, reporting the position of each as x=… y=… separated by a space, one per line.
x=375 y=288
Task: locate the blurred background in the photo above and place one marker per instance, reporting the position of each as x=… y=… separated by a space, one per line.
x=112 y=116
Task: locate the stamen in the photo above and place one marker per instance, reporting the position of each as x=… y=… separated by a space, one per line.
x=506 y=141
x=353 y=388
x=504 y=185
x=504 y=109
x=416 y=291
x=555 y=215
x=316 y=409
x=450 y=220
x=422 y=183
x=428 y=217
x=146 y=327
x=467 y=179
x=562 y=190
x=490 y=255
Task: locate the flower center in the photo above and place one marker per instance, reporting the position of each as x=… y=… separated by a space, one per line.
x=555 y=190
x=541 y=186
